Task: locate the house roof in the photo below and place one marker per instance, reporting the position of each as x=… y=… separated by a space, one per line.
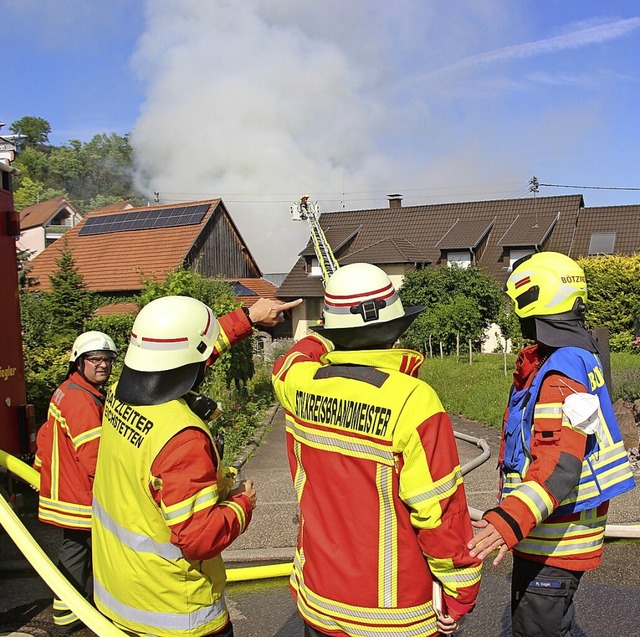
x=112 y=259
x=621 y=221
x=116 y=308
x=248 y=291
x=423 y=234
x=527 y=230
x=40 y=214
x=465 y=234
x=112 y=207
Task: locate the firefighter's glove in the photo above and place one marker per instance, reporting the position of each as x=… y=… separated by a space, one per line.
x=226 y=479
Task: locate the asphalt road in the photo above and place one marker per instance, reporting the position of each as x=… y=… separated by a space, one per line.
x=608 y=601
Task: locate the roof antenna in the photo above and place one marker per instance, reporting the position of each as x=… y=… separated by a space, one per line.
x=534 y=188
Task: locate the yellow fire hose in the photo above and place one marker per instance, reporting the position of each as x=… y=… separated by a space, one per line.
x=98 y=623
x=20 y=469
x=91 y=617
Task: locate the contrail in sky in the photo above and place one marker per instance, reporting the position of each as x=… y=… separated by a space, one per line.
x=573 y=40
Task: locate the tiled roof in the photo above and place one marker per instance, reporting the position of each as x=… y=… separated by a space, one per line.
x=120 y=261
x=250 y=290
x=40 y=214
x=116 y=308
x=528 y=231
x=623 y=221
x=390 y=250
x=422 y=227
x=465 y=234
x=114 y=207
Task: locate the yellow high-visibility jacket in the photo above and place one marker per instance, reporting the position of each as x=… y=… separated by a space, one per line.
x=142 y=581
x=382 y=504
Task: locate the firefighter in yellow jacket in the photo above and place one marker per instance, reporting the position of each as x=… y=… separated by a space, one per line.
x=163 y=509
x=383 y=513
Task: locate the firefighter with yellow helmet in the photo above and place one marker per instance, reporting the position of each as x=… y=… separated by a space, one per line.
x=163 y=508
x=67 y=448
x=383 y=513
x=562 y=457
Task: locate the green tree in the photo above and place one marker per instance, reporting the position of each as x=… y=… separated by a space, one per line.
x=34 y=129
x=32 y=163
x=33 y=192
x=235 y=366
x=102 y=167
x=69 y=302
x=460 y=302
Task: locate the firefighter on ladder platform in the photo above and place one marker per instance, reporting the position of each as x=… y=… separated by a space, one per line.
x=304 y=210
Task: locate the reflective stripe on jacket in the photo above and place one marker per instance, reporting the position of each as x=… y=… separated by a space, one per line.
x=382 y=511
x=67 y=447
x=142 y=581
x=605 y=469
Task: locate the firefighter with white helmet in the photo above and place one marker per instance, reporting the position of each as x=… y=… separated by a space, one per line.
x=67 y=448
x=383 y=514
x=164 y=509
x=562 y=458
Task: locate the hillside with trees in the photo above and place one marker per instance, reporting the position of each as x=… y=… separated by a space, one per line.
x=89 y=174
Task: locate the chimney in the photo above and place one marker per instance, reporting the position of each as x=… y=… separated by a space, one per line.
x=395 y=201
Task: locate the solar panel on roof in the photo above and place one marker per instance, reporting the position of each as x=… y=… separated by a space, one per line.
x=144 y=220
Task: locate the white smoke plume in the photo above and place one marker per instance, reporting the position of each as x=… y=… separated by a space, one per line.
x=261 y=101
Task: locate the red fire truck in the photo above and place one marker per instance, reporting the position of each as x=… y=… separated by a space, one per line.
x=17 y=421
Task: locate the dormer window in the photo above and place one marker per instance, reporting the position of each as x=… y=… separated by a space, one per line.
x=514 y=255
x=460 y=259
x=315 y=269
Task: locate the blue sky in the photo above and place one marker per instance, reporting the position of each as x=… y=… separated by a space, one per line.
x=263 y=100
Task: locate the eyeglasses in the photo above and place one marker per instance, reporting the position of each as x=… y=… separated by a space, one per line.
x=98 y=360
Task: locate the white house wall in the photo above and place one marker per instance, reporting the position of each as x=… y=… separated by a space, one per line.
x=32 y=239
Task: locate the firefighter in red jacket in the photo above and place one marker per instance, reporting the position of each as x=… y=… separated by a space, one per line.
x=67 y=448
x=562 y=456
x=163 y=508
x=383 y=512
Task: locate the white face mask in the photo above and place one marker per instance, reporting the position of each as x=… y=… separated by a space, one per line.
x=582 y=411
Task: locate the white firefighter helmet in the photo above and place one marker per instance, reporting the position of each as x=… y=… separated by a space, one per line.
x=362 y=308
x=171 y=332
x=93 y=341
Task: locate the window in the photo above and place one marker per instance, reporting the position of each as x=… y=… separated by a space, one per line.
x=315 y=270
x=514 y=255
x=461 y=259
x=602 y=243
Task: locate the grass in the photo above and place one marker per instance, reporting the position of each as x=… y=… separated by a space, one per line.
x=479 y=390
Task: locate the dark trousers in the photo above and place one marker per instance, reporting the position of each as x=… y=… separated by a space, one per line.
x=312 y=632
x=542 y=599
x=74 y=562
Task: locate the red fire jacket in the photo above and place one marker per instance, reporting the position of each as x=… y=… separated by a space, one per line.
x=382 y=505
x=67 y=448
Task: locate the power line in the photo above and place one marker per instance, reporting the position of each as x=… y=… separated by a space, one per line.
x=588 y=187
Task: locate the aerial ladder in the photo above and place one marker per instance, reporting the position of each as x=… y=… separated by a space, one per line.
x=304 y=210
